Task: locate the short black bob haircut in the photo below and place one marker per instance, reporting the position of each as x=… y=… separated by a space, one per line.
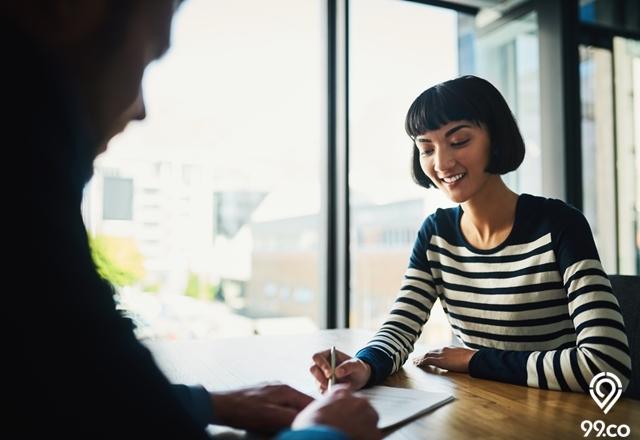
x=475 y=100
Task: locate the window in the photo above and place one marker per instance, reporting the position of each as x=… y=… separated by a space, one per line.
x=117 y=200
x=508 y=57
x=617 y=13
x=610 y=97
x=626 y=54
x=598 y=160
x=219 y=188
x=393 y=58
x=224 y=173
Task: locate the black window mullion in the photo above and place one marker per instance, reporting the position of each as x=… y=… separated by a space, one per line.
x=337 y=191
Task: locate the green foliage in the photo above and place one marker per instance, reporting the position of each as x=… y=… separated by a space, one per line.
x=193 y=286
x=118 y=259
x=151 y=288
x=199 y=289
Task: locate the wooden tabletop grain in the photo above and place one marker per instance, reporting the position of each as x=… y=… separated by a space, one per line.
x=481 y=410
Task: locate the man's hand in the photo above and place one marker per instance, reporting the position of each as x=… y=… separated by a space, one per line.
x=340 y=409
x=265 y=409
x=448 y=358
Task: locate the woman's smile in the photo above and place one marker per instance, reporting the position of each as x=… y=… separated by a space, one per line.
x=453 y=179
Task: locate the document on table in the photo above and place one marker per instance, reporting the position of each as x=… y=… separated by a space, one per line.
x=396 y=405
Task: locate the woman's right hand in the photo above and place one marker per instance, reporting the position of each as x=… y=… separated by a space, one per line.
x=351 y=371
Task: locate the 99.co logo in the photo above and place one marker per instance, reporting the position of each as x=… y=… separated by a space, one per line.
x=605 y=389
x=605 y=400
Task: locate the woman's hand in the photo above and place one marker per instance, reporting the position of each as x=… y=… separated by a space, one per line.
x=448 y=358
x=351 y=371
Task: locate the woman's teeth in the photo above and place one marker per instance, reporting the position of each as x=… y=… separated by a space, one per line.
x=452 y=179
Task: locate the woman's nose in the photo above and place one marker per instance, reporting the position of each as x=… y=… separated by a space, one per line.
x=444 y=160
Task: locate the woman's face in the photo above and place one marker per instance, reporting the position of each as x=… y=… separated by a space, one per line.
x=455 y=157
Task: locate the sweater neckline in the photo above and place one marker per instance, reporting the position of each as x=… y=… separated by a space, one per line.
x=505 y=242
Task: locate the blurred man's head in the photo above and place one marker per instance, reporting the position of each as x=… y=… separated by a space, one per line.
x=104 y=46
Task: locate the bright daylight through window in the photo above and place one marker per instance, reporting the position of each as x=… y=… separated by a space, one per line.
x=205 y=215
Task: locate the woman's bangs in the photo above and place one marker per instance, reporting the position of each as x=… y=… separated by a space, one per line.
x=437 y=107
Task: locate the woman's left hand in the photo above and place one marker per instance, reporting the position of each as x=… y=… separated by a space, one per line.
x=448 y=358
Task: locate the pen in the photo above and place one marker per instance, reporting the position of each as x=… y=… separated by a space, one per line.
x=332 y=379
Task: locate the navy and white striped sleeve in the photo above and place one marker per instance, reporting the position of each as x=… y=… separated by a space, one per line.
x=390 y=347
x=601 y=342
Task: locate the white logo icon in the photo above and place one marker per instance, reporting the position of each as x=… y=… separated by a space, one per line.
x=603 y=400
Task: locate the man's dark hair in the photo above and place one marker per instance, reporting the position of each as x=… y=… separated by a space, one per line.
x=109 y=36
x=472 y=99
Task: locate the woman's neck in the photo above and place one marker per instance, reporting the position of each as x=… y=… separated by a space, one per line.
x=489 y=215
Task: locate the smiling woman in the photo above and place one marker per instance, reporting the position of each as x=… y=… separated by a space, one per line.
x=471 y=103
x=517 y=275
x=454 y=157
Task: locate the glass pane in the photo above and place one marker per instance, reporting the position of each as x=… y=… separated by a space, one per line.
x=626 y=56
x=624 y=14
x=221 y=214
x=393 y=58
x=508 y=57
x=598 y=181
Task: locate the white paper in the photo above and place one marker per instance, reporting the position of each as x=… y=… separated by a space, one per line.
x=396 y=405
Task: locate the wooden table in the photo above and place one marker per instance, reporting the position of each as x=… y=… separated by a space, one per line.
x=482 y=409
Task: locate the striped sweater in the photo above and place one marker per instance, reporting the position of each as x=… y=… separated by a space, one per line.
x=538 y=308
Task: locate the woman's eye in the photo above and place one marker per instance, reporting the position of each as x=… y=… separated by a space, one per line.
x=460 y=143
x=425 y=153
